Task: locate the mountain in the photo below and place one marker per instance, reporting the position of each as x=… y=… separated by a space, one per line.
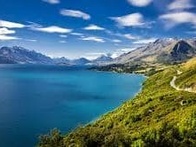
x=159 y=116
x=162 y=51
x=181 y=51
x=80 y=61
x=62 y=60
x=19 y=55
x=103 y=59
x=74 y=62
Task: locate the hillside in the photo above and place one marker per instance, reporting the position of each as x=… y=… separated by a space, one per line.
x=158 y=116
x=153 y=57
x=162 y=51
x=187 y=79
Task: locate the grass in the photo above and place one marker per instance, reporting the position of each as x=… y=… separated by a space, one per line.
x=188 y=79
x=158 y=116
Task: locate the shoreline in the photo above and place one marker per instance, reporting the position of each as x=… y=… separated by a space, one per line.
x=108 y=112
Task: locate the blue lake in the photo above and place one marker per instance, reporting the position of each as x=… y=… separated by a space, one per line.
x=35 y=99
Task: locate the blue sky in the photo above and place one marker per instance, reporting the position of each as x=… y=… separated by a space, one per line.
x=90 y=28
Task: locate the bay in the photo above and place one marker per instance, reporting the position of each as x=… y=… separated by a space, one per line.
x=34 y=99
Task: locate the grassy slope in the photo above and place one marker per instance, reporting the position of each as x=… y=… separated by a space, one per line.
x=188 y=79
x=158 y=116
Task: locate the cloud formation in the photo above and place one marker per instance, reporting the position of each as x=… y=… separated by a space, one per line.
x=145 y=41
x=93 y=27
x=129 y=36
x=130 y=20
x=9 y=24
x=30 y=40
x=63 y=36
x=6 y=37
x=52 y=29
x=93 y=38
x=178 y=14
x=75 y=13
x=5 y=31
x=77 y=34
x=121 y=51
x=51 y=1
x=116 y=41
x=176 y=18
x=140 y=3
x=180 y=5
x=62 y=41
x=94 y=55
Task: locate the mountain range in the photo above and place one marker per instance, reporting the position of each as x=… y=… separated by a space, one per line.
x=20 y=55
x=162 y=51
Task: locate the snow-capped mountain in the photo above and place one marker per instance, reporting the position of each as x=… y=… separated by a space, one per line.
x=19 y=55
x=69 y=62
x=80 y=61
x=103 y=59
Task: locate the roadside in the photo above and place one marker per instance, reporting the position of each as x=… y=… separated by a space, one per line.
x=172 y=84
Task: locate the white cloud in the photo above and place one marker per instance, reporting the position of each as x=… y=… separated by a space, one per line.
x=180 y=5
x=176 y=18
x=116 y=40
x=8 y=24
x=51 y=29
x=129 y=36
x=63 y=36
x=62 y=41
x=95 y=39
x=140 y=3
x=75 y=13
x=33 y=24
x=95 y=55
x=5 y=31
x=127 y=49
x=121 y=51
x=30 y=40
x=93 y=27
x=51 y=1
x=145 y=41
x=130 y=20
x=6 y=37
x=77 y=34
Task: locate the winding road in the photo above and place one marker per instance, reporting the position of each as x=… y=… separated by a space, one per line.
x=172 y=84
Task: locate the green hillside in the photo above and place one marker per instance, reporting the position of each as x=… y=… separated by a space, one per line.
x=158 y=116
x=187 y=78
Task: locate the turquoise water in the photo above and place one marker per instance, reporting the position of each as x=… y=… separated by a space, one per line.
x=35 y=99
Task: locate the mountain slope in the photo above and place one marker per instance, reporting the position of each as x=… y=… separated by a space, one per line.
x=158 y=116
x=160 y=51
x=187 y=79
x=21 y=55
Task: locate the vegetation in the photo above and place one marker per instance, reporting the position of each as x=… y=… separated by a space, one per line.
x=133 y=67
x=187 y=78
x=159 y=116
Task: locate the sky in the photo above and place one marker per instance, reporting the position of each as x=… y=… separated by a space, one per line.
x=90 y=28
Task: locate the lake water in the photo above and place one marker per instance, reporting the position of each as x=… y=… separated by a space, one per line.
x=35 y=99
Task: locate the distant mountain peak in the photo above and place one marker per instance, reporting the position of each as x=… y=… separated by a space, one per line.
x=103 y=59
